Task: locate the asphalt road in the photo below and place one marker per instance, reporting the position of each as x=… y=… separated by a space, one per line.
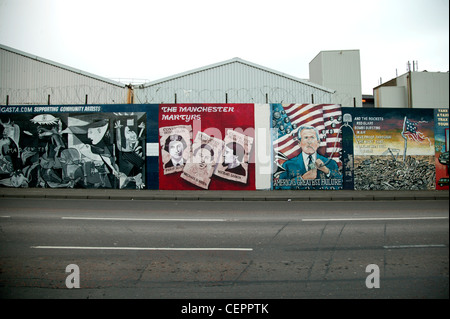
x=184 y=249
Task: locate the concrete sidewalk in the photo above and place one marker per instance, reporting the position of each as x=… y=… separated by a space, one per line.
x=259 y=195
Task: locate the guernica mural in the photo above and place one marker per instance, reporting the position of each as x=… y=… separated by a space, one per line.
x=73 y=150
x=212 y=147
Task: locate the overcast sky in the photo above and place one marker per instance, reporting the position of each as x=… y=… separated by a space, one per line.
x=154 y=39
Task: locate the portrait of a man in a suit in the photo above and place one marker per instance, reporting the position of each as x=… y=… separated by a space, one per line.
x=309 y=164
x=233 y=157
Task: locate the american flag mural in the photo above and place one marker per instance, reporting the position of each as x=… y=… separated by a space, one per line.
x=288 y=118
x=411 y=131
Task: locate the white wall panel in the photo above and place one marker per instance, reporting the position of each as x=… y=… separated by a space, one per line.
x=263 y=147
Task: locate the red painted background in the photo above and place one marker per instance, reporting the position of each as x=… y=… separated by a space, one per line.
x=209 y=118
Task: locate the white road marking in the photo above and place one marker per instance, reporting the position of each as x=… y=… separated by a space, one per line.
x=369 y=219
x=150 y=219
x=143 y=248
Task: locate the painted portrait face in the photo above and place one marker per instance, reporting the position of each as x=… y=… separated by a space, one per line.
x=228 y=155
x=309 y=142
x=203 y=156
x=8 y=131
x=176 y=149
x=95 y=134
x=18 y=180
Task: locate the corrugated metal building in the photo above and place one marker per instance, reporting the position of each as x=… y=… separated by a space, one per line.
x=232 y=81
x=27 y=79
x=414 y=90
x=340 y=70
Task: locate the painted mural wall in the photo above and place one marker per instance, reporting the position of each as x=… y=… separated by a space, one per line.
x=73 y=147
x=393 y=149
x=223 y=147
x=307 y=146
x=441 y=142
x=206 y=146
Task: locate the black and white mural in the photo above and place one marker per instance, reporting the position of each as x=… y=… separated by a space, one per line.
x=73 y=150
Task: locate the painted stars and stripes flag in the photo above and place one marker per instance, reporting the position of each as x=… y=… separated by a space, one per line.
x=288 y=118
x=410 y=130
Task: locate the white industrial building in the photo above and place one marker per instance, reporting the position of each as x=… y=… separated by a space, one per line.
x=340 y=70
x=232 y=81
x=26 y=79
x=414 y=90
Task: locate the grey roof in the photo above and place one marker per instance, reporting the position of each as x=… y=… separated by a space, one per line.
x=61 y=66
x=239 y=61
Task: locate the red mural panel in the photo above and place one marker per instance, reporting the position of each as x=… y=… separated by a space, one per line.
x=206 y=147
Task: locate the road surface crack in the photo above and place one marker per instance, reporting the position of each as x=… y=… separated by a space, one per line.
x=243 y=271
x=279 y=231
x=328 y=264
x=141 y=273
x=315 y=256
